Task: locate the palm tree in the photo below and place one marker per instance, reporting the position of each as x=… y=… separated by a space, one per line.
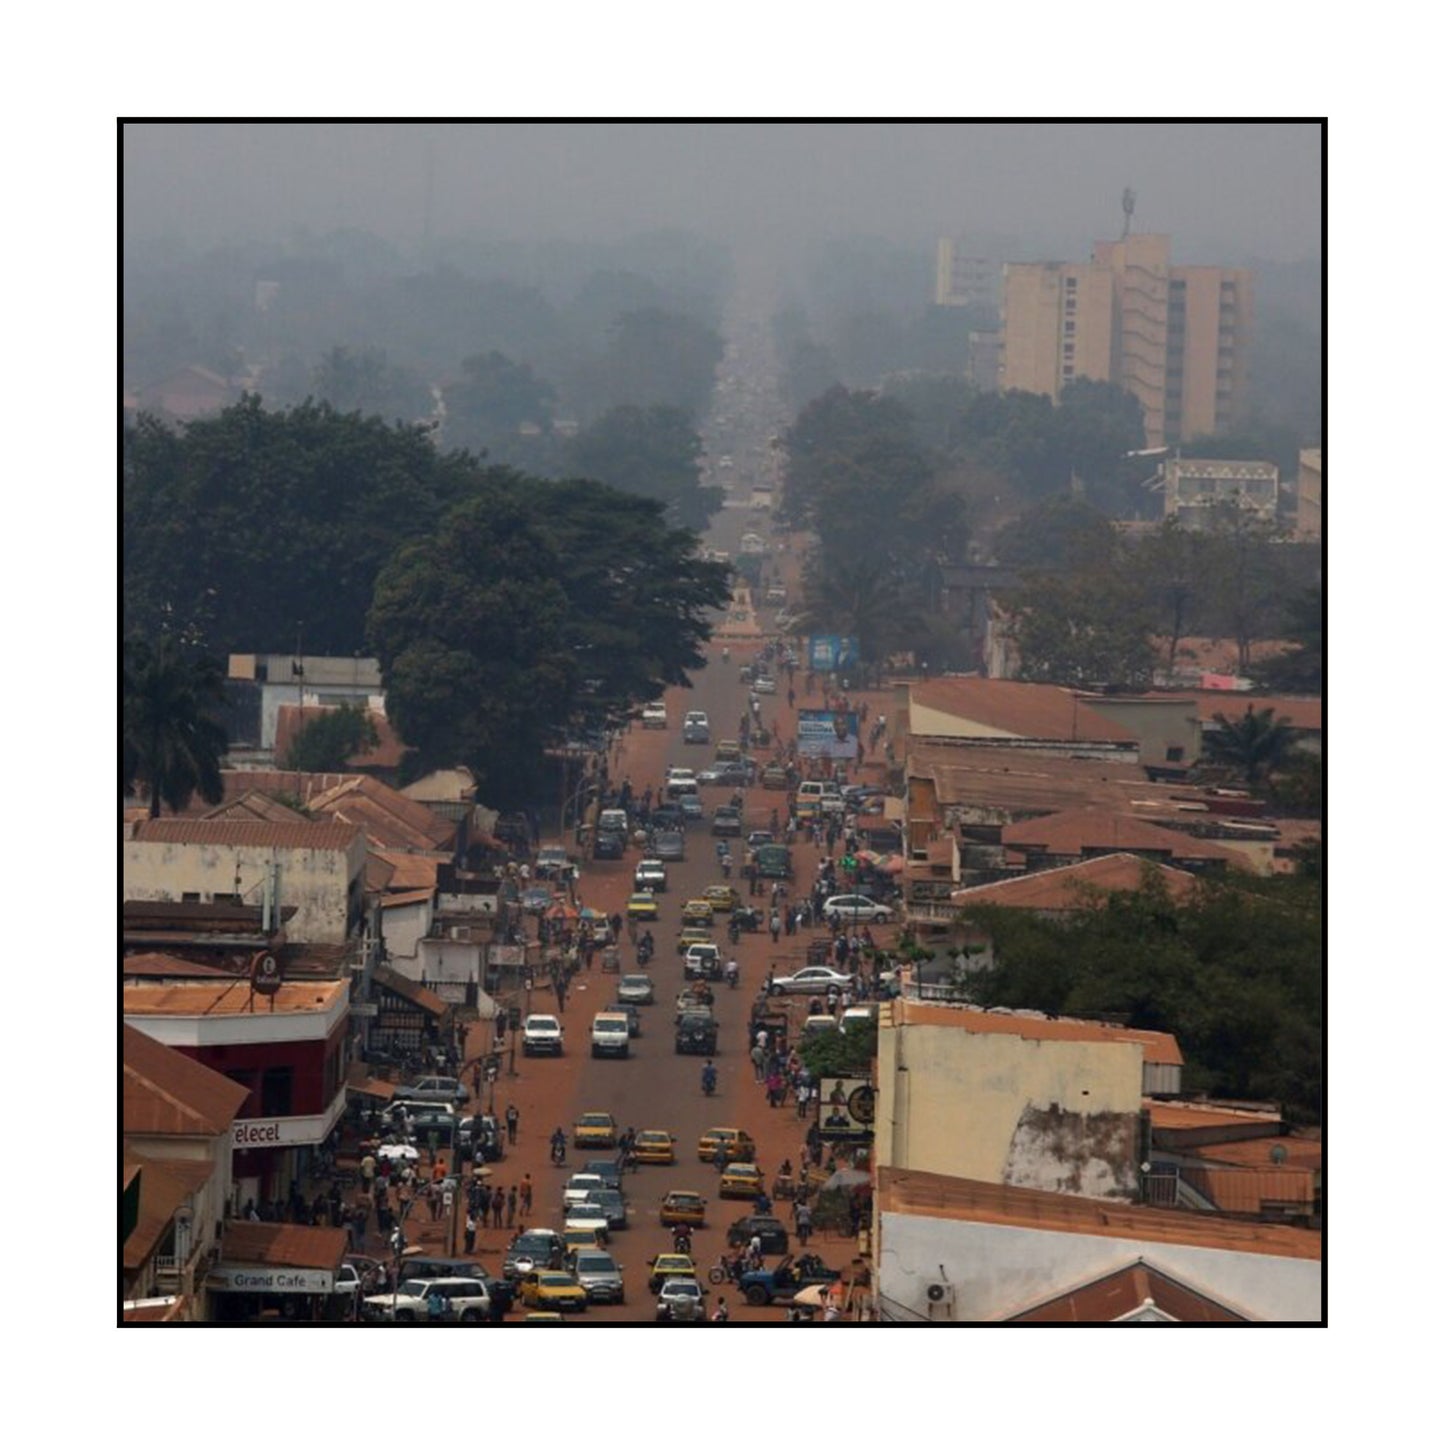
x=171 y=741
x=1255 y=746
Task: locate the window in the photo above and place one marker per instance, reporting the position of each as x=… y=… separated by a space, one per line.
x=1068 y=348
x=1174 y=755
x=1068 y=328
x=276 y=1092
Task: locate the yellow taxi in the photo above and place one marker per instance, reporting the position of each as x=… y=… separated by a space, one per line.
x=727 y=750
x=694 y=934
x=654 y=1146
x=595 y=1131
x=721 y=898
x=741 y=1181
x=683 y=1206
x=669 y=1266
x=642 y=906
x=550 y=1289
x=698 y=911
x=580 y=1236
x=737 y=1142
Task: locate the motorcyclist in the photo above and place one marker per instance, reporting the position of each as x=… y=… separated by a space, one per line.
x=735 y=931
x=727 y=653
x=730 y=969
x=682 y=1239
x=720 y=1314
x=709 y=1077
x=559 y=1146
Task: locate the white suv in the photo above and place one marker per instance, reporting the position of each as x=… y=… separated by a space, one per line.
x=541 y=1034
x=654 y=715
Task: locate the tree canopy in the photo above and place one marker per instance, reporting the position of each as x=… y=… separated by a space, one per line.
x=326 y=743
x=536 y=608
x=251 y=523
x=651 y=452
x=1236 y=974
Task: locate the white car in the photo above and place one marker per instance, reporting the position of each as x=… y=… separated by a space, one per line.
x=541 y=1034
x=850 y=907
x=681 y=1299
x=815 y=979
x=654 y=715
x=765 y=685
x=650 y=876
x=578 y=1187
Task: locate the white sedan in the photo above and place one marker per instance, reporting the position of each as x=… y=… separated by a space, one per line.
x=654 y=715
x=851 y=907
x=815 y=979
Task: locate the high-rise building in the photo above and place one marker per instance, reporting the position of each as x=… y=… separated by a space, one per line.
x=966 y=275
x=1176 y=337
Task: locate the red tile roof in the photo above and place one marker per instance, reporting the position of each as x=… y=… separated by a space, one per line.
x=1020 y=709
x=219 y=833
x=1248 y=1191
x=1125 y=1292
x=391 y=819
x=916 y=1193
x=296 y=1246
x=1298 y=1153
x=409 y=870
x=214 y=1000
x=164 y=1092
x=1159 y=1048
x=1076 y=887
x=256 y=806
x=1305 y=713
x=1076 y=831
x=164 y=965
x=165 y=1185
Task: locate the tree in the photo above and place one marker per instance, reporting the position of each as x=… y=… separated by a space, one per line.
x=1254 y=747
x=1171 y=565
x=1302 y=668
x=651 y=452
x=1243 y=563
x=363 y=380
x=857 y=599
x=841 y=1051
x=538 y=607
x=490 y=403
x=326 y=743
x=1098 y=425
x=1062 y=533
x=172 y=743
x=658 y=358
x=1085 y=630
x=250 y=522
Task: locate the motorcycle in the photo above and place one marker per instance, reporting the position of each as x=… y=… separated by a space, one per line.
x=725 y=1271
x=732 y=971
x=734 y=932
x=644 y=951
x=559 y=1151
x=682 y=1241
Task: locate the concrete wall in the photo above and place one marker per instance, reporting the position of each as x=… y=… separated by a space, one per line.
x=402 y=929
x=313 y=880
x=998 y=1270
x=1159 y=726
x=1054 y=1115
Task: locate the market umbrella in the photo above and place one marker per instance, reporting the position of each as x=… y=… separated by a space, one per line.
x=590 y=913
x=485 y=1172
x=847 y=1178
x=811 y=1295
x=892 y=865
x=561 y=910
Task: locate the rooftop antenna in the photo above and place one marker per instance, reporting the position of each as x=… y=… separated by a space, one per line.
x=1128 y=211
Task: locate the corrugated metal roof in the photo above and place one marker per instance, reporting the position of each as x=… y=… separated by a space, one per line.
x=164 y=965
x=215 y=1000
x=297 y=1246
x=1125 y=1292
x=164 y=1092
x=1247 y=1191
x=165 y=1185
x=1068 y=888
x=1074 y=831
x=409 y=989
x=1020 y=709
x=255 y=806
x=223 y=833
x=916 y=1193
x=1158 y=1048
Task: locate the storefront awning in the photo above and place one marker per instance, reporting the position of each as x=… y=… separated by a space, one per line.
x=359 y=1082
x=278 y=1259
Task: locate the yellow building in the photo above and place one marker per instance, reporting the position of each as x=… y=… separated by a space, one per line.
x=1175 y=337
x=1017 y=1098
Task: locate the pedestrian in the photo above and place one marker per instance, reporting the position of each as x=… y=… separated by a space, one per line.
x=526 y=1195
x=513 y=1117
x=469 y=1232
x=803 y=1223
x=511 y=1206
x=775 y=925
x=803 y=1096
x=759 y=1057
x=484 y=1203
x=498 y=1203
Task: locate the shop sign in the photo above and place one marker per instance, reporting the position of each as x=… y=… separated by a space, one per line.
x=845 y=1108
x=270 y=1279
x=285 y=1132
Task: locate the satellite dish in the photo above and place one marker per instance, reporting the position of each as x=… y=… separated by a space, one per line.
x=1278 y=1154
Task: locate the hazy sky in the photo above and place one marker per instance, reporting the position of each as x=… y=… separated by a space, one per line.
x=1223 y=191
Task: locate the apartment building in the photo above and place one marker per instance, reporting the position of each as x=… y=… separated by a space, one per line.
x=1176 y=337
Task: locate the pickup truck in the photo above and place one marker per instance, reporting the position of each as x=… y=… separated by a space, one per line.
x=779 y=1285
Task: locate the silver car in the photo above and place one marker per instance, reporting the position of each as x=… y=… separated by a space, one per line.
x=636 y=988
x=681 y=1299
x=600 y=1276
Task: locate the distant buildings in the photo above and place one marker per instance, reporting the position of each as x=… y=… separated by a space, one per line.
x=1311 y=495
x=1194 y=485
x=1176 y=337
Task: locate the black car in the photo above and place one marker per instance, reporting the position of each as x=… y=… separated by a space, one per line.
x=536 y=1249
x=669 y=846
x=669 y=816
x=696 y=1034
x=613 y=1206
x=609 y=845
x=727 y=822
x=634 y=1019
x=768 y=1227
x=608 y=1171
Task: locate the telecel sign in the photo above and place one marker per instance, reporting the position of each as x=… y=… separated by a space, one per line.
x=286 y=1132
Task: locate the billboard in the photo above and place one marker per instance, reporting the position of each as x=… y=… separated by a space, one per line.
x=826 y=734
x=832 y=653
x=845 y=1108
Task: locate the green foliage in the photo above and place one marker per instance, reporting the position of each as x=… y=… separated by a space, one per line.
x=493 y=398
x=365 y=381
x=1098 y=424
x=252 y=522
x=1236 y=974
x=1302 y=668
x=537 y=607
x=847 y=1051
x=172 y=742
x=1171 y=567
x=857 y=599
x=1063 y=532
x=658 y=358
x=651 y=452
x=1086 y=629
x=326 y=743
x=1253 y=748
